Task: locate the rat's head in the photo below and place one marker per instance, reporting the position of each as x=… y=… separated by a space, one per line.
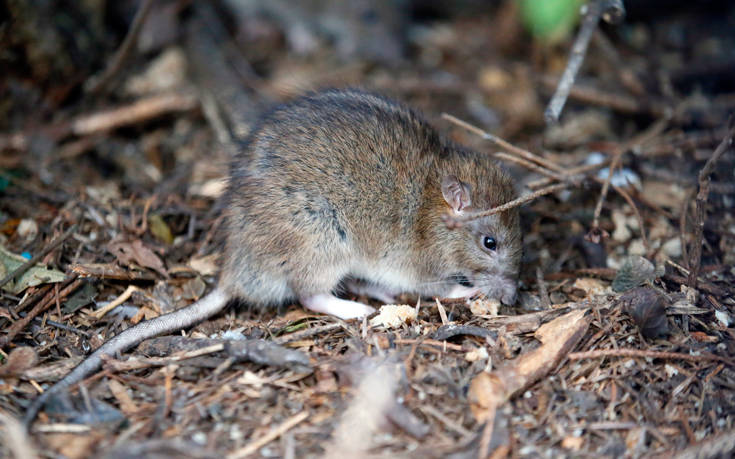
x=482 y=255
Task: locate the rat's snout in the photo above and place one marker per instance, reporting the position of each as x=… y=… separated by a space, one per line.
x=503 y=288
x=509 y=295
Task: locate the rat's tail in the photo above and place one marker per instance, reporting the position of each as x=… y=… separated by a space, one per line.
x=206 y=307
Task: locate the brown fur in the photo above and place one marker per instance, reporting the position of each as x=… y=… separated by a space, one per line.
x=343 y=183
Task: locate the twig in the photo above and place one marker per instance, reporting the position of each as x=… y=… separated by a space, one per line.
x=53 y=323
x=638 y=216
x=44 y=304
x=621 y=103
x=503 y=144
x=613 y=11
x=701 y=202
x=647 y=354
x=683 y=227
x=140 y=110
x=429 y=342
x=35 y=259
x=531 y=166
x=98 y=314
x=605 y=186
x=274 y=433
x=296 y=336
x=455 y=221
x=575 y=171
x=136 y=363
x=98 y=84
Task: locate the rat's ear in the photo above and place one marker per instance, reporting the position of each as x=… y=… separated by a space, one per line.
x=456 y=193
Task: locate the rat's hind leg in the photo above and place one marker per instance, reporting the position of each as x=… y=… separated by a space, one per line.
x=330 y=304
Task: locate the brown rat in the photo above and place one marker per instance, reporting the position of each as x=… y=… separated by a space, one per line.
x=347 y=189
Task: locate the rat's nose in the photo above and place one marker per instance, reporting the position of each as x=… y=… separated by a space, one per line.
x=509 y=289
x=509 y=297
x=502 y=288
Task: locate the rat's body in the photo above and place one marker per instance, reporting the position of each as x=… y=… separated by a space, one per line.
x=346 y=188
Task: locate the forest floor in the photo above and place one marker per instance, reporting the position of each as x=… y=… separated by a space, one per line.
x=622 y=340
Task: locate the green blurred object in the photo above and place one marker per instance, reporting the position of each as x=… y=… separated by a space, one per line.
x=160 y=229
x=550 y=21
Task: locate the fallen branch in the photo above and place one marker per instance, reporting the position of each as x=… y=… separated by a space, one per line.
x=611 y=11
x=701 y=203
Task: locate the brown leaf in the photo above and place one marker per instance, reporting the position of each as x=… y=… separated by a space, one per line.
x=647 y=307
x=135 y=252
x=19 y=360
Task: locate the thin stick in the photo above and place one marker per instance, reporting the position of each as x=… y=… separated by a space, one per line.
x=531 y=166
x=299 y=335
x=503 y=144
x=613 y=11
x=647 y=354
x=579 y=170
x=605 y=186
x=683 y=227
x=638 y=216
x=99 y=84
x=136 y=363
x=701 y=202
x=98 y=314
x=274 y=433
x=455 y=221
x=35 y=259
x=138 y=111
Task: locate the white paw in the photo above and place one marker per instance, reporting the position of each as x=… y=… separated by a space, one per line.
x=330 y=304
x=460 y=291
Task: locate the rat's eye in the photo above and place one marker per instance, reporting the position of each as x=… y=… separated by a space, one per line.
x=489 y=242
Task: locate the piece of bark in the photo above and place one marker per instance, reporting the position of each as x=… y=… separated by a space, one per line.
x=488 y=391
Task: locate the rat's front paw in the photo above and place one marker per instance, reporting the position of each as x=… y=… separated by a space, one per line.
x=330 y=304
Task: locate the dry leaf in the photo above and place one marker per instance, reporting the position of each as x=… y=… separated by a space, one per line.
x=159 y=229
x=35 y=275
x=484 y=307
x=135 y=252
x=206 y=265
x=591 y=286
x=647 y=307
x=634 y=272
x=19 y=360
